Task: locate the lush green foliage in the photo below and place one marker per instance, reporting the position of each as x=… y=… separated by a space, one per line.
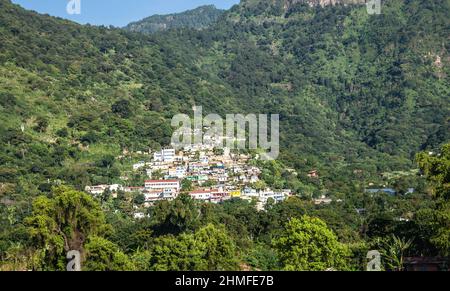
x=358 y=96
x=208 y=249
x=436 y=222
x=103 y=255
x=308 y=245
x=63 y=223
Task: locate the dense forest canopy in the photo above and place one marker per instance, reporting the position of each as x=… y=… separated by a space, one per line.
x=358 y=95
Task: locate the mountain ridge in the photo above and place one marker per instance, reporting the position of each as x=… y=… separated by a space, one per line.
x=198 y=18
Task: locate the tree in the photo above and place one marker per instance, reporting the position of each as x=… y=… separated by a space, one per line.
x=259 y=185
x=437 y=170
x=63 y=132
x=209 y=249
x=174 y=217
x=158 y=174
x=63 y=223
x=170 y=253
x=308 y=245
x=122 y=108
x=89 y=138
x=107 y=161
x=7 y=100
x=103 y=255
x=141 y=260
x=402 y=185
x=186 y=185
x=105 y=196
x=139 y=199
x=393 y=251
x=219 y=251
x=435 y=223
x=209 y=183
x=41 y=124
x=262 y=257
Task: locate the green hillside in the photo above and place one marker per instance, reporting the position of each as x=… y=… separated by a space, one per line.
x=358 y=95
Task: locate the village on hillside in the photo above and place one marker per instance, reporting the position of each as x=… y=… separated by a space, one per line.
x=204 y=173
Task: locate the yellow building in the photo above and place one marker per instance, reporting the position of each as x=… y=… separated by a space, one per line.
x=235 y=193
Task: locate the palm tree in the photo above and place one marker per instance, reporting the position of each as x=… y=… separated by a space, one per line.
x=393 y=252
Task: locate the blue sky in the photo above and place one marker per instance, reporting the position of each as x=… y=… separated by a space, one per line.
x=117 y=12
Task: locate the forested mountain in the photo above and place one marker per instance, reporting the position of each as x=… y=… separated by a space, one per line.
x=353 y=90
x=198 y=18
x=347 y=84
x=358 y=96
x=375 y=73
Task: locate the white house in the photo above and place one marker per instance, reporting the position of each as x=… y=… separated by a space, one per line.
x=163 y=184
x=275 y=195
x=165 y=155
x=159 y=167
x=96 y=190
x=177 y=172
x=139 y=215
x=323 y=200
x=100 y=189
x=223 y=178
x=250 y=192
x=200 y=195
